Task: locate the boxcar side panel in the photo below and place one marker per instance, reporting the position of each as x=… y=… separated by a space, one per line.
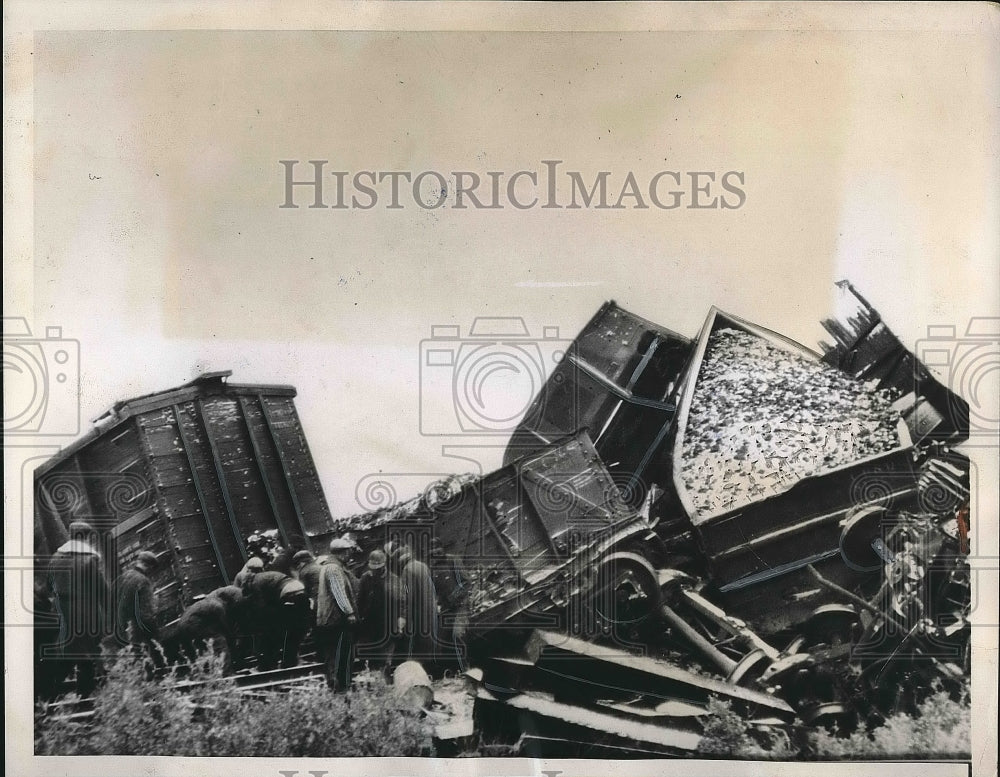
x=298 y=466
x=240 y=478
x=173 y=445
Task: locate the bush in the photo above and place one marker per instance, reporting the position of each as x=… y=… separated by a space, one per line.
x=136 y=716
x=941 y=729
x=728 y=735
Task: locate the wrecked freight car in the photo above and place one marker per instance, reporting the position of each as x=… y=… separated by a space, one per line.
x=188 y=474
x=775 y=481
x=676 y=520
x=545 y=541
x=761 y=455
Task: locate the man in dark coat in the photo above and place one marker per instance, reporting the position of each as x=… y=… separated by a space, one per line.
x=218 y=615
x=421 y=607
x=279 y=608
x=50 y=671
x=135 y=621
x=81 y=598
x=381 y=605
x=254 y=565
x=337 y=616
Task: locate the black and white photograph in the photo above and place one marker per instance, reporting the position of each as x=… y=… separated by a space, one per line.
x=501 y=388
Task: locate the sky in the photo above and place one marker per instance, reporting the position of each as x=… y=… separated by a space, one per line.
x=160 y=246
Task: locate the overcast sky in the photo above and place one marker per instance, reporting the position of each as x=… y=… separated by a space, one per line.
x=160 y=246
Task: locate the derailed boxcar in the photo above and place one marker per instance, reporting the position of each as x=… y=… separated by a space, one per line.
x=617 y=380
x=188 y=474
x=547 y=540
x=819 y=486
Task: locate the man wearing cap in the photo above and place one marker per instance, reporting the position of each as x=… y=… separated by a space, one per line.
x=135 y=622
x=337 y=616
x=219 y=614
x=279 y=607
x=81 y=597
x=254 y=565
x=307 y=570
x=421 y=607
x=381 y=605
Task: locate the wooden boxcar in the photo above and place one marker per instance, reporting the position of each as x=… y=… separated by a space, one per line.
x=537 y=536
x=617 y=381
x=188 y=473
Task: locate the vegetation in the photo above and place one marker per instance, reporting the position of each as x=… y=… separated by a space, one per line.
x=136 y=716
x=204 y=714
x=940 y=729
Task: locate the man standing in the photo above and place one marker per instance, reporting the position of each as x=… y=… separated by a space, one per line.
x=135 y=622
x=80 y=594
x=421 y=607
x=380 y=601
x=337 y=616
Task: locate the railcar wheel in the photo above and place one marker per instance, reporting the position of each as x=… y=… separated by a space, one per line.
x=831 y=624
x=626 y=589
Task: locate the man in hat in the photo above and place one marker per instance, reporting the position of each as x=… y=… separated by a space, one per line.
x=81 y=597
x=253 y=565
x=337 y=616
x=279 y=607
x=381 y=605
x=217 y=615
x=307 y=570
x=421 y=607
x=135 y=622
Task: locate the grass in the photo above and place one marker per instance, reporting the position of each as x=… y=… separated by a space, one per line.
x=136 y=716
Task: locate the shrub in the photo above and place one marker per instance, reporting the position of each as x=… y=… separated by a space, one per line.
x=940 y=729
x=136 y=716
x=727 y=734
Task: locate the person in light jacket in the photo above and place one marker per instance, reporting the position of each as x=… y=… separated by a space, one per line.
x=337 y=616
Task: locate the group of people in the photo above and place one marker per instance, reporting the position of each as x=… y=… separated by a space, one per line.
x=387 y=607
x=92 y=618
x=394 y=607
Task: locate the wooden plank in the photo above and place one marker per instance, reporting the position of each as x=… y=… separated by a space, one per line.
x=266 y=409
x=221 y=477
x=201 y=497
x=258 y=459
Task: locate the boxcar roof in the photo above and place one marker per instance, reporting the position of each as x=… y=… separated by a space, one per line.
x=205 y=385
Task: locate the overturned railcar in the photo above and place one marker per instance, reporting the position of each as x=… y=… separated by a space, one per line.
x=757 y=479
x=617 y=380
x=546 y=540
x=188 y=474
